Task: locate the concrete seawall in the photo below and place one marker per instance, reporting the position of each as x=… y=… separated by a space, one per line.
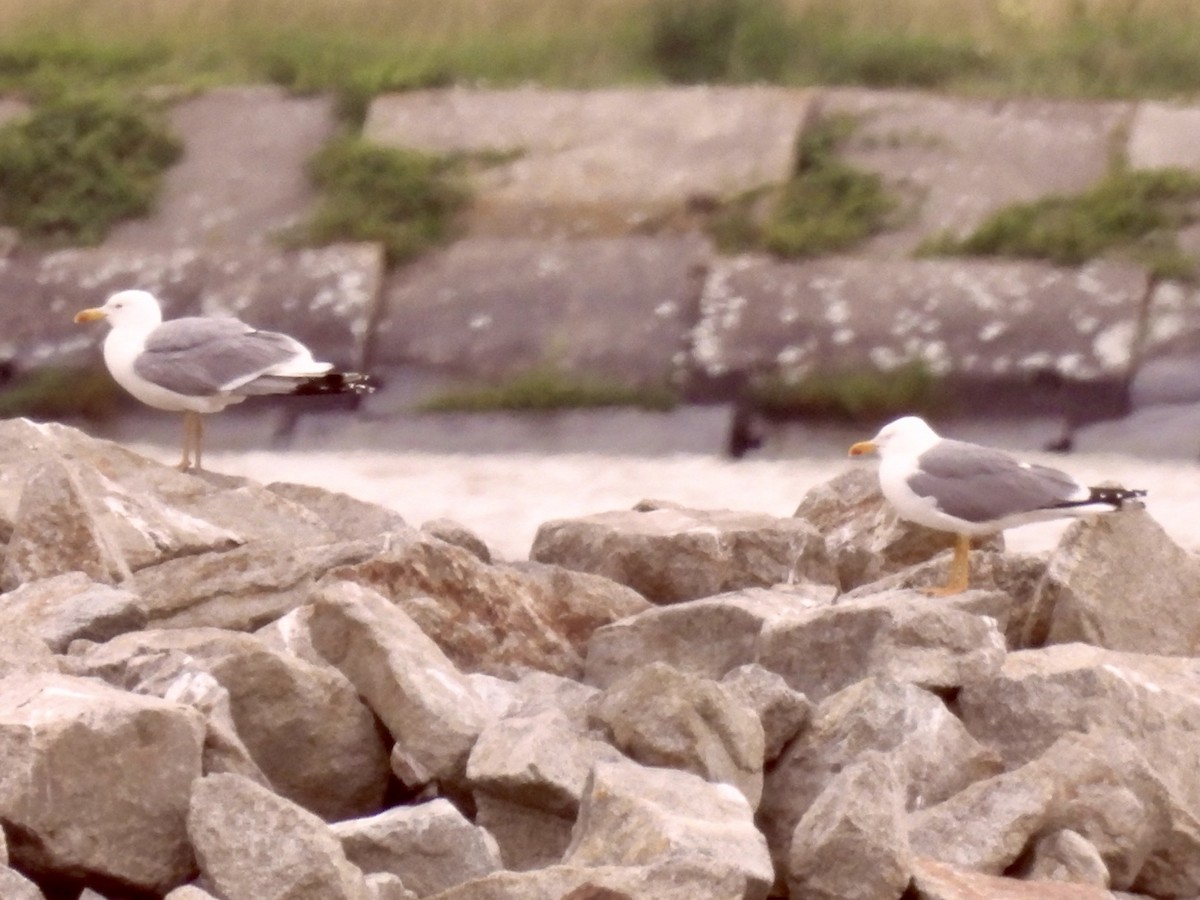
x=583 y=249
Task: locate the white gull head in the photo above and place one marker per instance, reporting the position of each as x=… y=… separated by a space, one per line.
x=909 y=436
x=132 y=309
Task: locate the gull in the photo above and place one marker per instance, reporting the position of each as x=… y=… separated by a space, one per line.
x=197 y=365
x=972 y=490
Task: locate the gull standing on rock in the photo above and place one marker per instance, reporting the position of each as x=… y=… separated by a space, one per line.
x=198 y=365
x=973 y=490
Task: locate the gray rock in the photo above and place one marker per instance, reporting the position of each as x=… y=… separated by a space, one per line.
x=1004 y=588
x=529 y=837
x=615 y=309
x=348 y=518
x=1041 y=695
x=986 y=825
x=671 y=554
x=539 y=760
x=684 y=879
x=303 y=726
x=498 y=695
x=251 y=843
x=1066 y=855
x=122 y=766
x=23 y=653
x=54 y=532
x=455 y=533
x=852 y=843
x=245 y=588
x=386 y=886
x=15 y=886
x=933 y=880
x=782 y=711
x=600 y=160
x=865 y=538
x=660 y=716
x=175 y=675
x=431 y=847
x=1096 y=787
x=252 y=511
x=502 y=619
x=189 y=892
x=422 y=699
x=932 y=753
x=70 y=607
x=633 y=815
x=1098 y=566
x=538 y=692
x=902 y=635
x=982 y=321
x=707 y=637
x=289 y=634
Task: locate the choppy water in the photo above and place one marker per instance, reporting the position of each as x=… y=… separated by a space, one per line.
x=503 y=477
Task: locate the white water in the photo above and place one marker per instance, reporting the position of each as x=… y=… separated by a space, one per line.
x=504 y=497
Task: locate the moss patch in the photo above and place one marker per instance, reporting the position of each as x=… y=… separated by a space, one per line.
x=548 y=388
x=857 y=395
x=57 y=393
x=827 y=206
x=405 y=200
x=79 y=164
x=1132 y=213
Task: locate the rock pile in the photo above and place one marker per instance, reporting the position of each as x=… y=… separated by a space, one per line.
x=211 y=688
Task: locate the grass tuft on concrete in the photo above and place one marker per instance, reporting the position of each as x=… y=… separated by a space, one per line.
x=827 y=206
x=1130 y=213
x=57 y=393
x=855 y=395
x=403 y=199
x=79 y=164
x=549 y=388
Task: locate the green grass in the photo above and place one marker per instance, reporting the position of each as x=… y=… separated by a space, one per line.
x=403 y=199
x=1134 y=214
x=79 y=164
x=827 y=206
x=1061 y=48
x=548 y=388
x=854 y=395
x=698 y=41
x=57 y=393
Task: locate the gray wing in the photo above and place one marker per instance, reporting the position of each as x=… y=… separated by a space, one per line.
x=979 y=484
x=200 y=357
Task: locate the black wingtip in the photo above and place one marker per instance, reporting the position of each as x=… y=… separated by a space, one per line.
x=1116 y=497
x=338 y=383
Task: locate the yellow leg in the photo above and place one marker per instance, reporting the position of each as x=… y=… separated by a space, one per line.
x=199 y=439
x=193 y=436
x=960 y=569
x=185 y=461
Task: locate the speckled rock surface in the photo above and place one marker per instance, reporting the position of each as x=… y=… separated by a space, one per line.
x=324 y=297
x=974 y=319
